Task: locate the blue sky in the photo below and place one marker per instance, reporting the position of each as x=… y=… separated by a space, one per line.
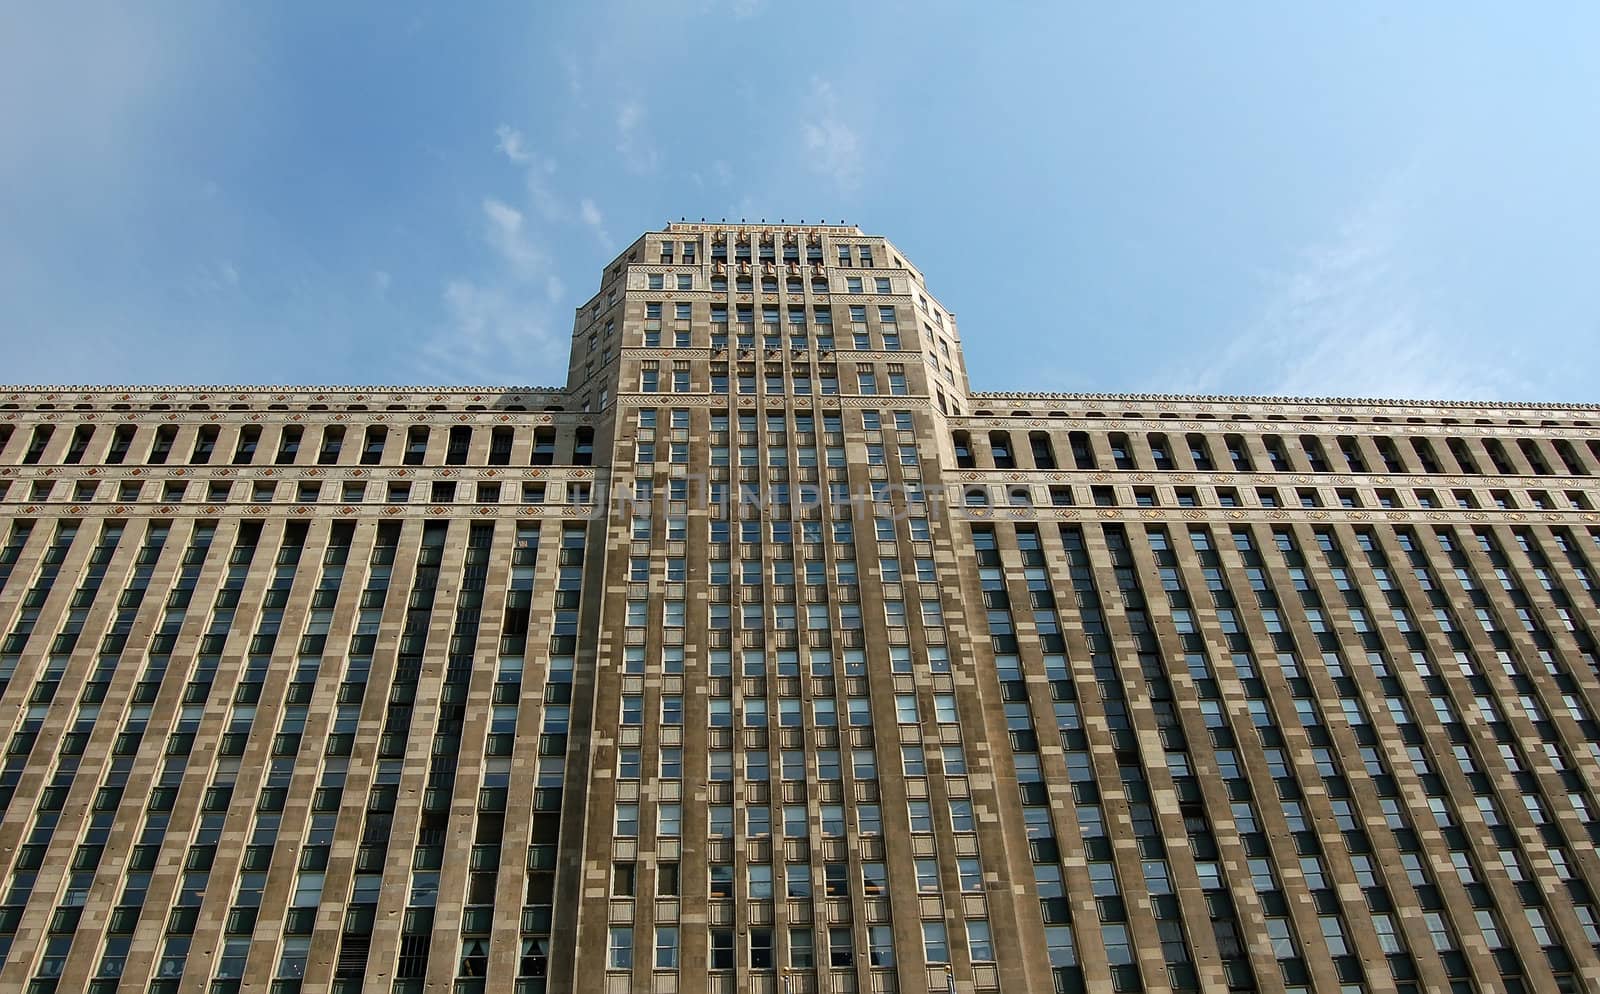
x=1353 y=200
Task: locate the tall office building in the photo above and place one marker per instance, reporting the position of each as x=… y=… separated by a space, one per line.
x=767 y=656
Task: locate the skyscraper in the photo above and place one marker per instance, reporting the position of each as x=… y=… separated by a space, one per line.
x=767 y=656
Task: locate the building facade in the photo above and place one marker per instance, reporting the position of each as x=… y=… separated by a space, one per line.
x=767 y=656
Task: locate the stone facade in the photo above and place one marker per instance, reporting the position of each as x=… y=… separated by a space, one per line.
x=767 y=656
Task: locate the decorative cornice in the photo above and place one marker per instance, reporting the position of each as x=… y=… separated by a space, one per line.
x=1175 y=398
x=217 y=389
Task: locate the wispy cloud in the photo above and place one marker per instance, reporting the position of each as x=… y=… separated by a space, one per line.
x=571 y=73
x=833 y=148
x=721 y=174
x=538 y=173
x=493 y=336
x=1350 y=319
x=499 y=324
x=512 y=144
x=509 y=238
x=590 y=215
x=633 y=141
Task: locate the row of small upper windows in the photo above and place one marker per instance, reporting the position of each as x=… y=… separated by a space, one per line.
x=846 y=254
x=671 y=252
x=743 y=282
x=770 y=313
x=822 y=318
x=1486 y=456
x=769 y=284
x=799 y=339
x=777 y=422
x=124 y=445
x=775 y=382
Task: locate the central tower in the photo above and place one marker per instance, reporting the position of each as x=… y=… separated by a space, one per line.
x=779 y=598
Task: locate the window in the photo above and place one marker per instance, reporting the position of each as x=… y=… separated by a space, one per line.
x=292 y=964
x=761 y=949
x=979 y=944
x=666 y=947
x=797 y=880
x=971 y=873
x=961 y=815
x=721 y=949
x=622 y=879
x=802 y=955
x=620 y=948
x=921 y=815
x=667 y=879
x=249 y=437
x=758 y=822
x=841 y=950
x=880 y=945
x=874 y=879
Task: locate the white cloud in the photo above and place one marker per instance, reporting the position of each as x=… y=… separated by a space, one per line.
x=637 y=152
x=498 y=326
x=1350 y=320
x=512 y=144
x=381 y=281
x=537 y=170
x=499 y=322
x=509 y=238
x=590 y=215
x=542 y=195
x=493 y=336
x=833 y=148
x=570 y=72
x=229 y=273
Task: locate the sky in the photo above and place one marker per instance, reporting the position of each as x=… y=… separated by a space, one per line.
x=1354 y=200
